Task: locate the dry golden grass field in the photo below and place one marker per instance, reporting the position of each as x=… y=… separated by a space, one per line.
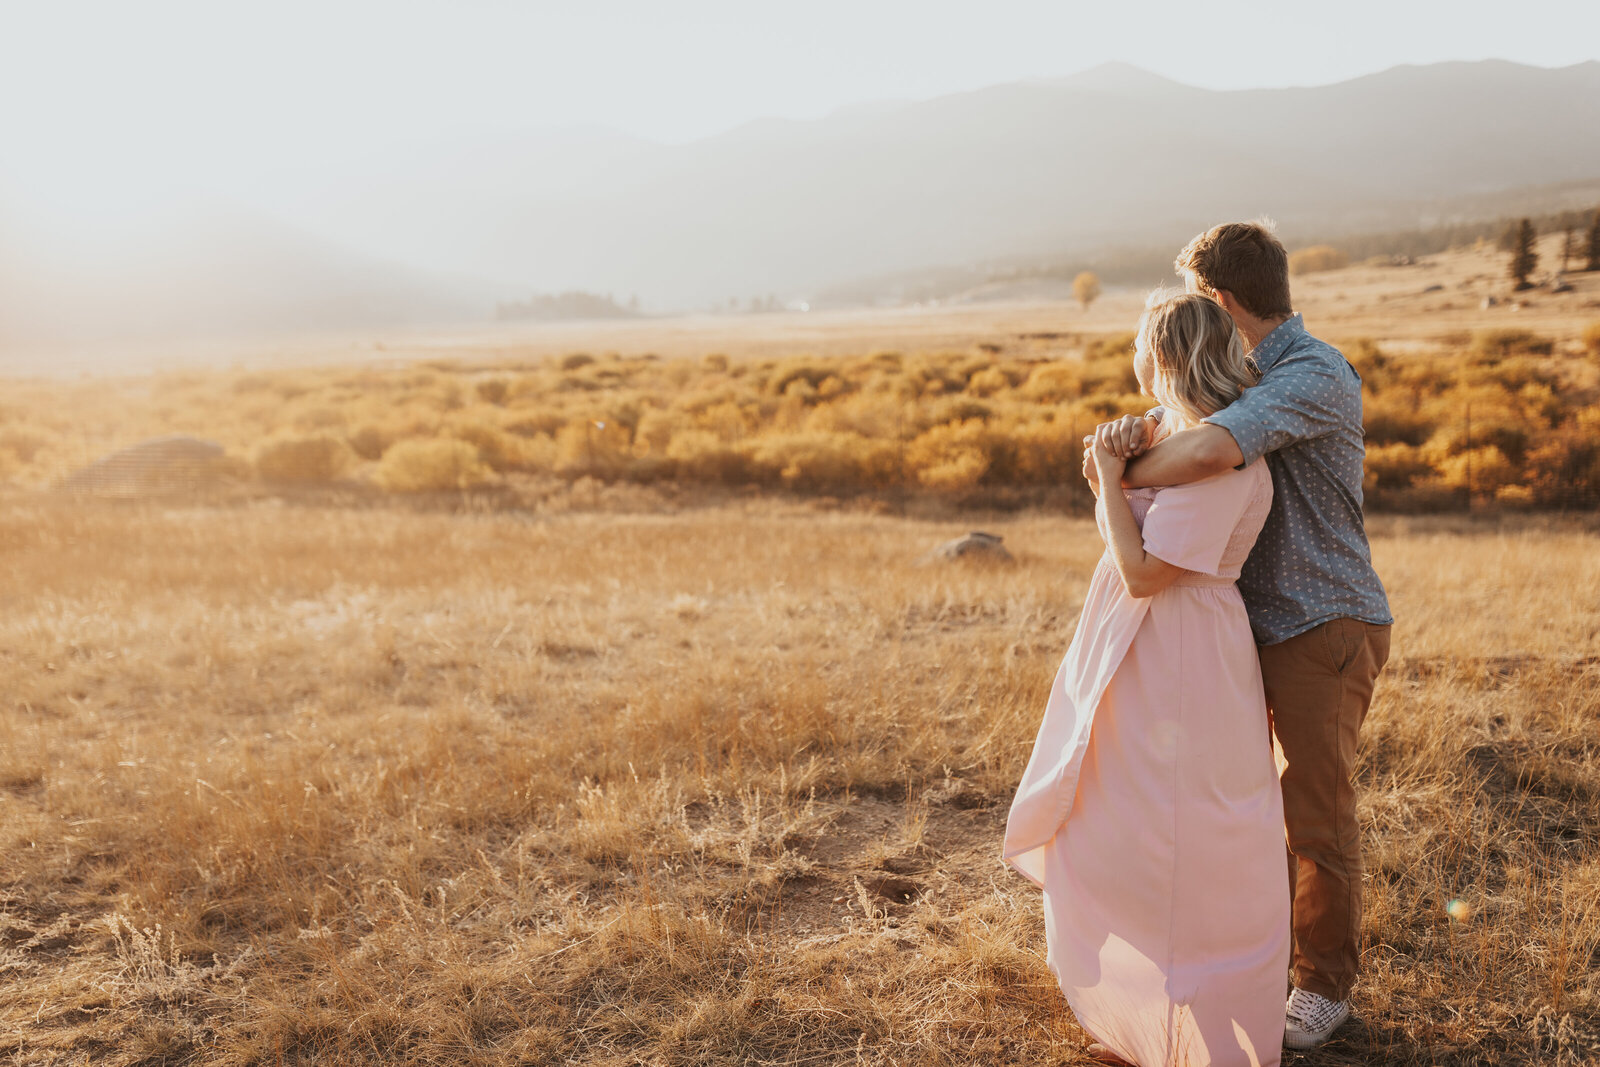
x=288 y=783
x=587 y=763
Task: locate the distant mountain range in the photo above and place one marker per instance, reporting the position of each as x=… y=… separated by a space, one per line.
x=1111 y=157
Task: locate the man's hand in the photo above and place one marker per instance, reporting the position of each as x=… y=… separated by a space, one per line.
x=1127 y=437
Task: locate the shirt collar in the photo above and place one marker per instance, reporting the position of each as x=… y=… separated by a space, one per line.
x=1278 y=341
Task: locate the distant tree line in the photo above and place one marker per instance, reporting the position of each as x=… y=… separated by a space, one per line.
x=1519 y=239
x=1148 y=264
x=569 y=305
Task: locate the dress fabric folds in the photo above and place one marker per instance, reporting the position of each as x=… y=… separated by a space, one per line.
x=1150 y=812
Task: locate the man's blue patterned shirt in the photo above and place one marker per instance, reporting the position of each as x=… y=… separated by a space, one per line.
x=1311 y=562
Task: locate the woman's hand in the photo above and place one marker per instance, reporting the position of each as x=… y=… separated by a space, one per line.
x=1090 y=472
x=1108 y=462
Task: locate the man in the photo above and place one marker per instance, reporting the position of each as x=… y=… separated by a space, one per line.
x=1319 y=613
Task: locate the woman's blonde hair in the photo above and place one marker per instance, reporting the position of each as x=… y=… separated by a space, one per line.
x=1199 y=358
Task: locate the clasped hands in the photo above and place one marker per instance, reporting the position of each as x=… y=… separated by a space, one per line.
x=1106 y=452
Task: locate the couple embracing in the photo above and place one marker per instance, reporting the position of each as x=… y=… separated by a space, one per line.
x=1235 y=605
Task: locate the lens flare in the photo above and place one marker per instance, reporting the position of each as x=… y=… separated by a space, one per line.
x=1459 y=910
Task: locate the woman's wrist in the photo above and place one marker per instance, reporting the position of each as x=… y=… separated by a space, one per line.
x=1109 y=468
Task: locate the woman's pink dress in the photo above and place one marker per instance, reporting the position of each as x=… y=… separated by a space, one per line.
x=1150 y=811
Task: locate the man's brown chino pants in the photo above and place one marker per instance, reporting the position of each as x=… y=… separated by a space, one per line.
x=1319 y=685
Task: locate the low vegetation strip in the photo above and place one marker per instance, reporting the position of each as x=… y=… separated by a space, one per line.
x=1503 y=418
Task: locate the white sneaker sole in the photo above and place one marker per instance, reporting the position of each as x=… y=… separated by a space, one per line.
x=1301 y=1040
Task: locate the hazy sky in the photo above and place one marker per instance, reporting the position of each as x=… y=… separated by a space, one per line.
x=104 y=105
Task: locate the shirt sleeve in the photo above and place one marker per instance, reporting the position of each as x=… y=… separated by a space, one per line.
x=1189 y=525
x=1302 y=397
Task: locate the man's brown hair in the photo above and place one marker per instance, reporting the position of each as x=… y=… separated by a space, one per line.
x=1246 y=260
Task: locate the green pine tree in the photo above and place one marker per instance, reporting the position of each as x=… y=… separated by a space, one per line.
x=1523 y=256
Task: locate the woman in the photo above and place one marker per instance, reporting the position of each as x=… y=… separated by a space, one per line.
x=1150 y=812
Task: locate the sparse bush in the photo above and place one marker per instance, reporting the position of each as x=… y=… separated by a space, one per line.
x=988 y=382
x=424 y=465
x=810 y=374
x=369 y=441
x=26 y=442
x=1113 y=346
x=701 y=456
x=1048 y=453
x=493 y=390
x=1395 y=421
x=1086 y=288
x=313 y=460
x=1052 y=383
x=593 y=446
x=953 y=456
x=500 y=450
x=532 y=425
x=960 y=409
x=818 y=461
x=1491 y=346
x=1316 y=259
x=1396 y=466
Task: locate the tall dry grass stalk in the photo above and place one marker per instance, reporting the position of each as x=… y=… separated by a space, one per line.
x=308 y=785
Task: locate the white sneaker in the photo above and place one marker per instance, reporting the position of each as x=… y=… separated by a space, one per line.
x=1309 y=1018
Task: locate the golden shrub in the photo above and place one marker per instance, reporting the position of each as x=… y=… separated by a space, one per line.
x=1480 y=470
x=958 y=408
x=534 y=424
x=1396 y=466
x=704 y=457
x=1390 y=419
x=593 y=446
x=313 y=460
x=1516 y=497
x=493 y=390
x=1086 y=288
x=988 y=382
x=952 y=456
x=1317 y=258
x=797 y=370
x=864 y=414
x=1591 y=339
x=497 y=448
x=824 y=461
x=655 y=432
x=1048 y=452
x=1051 y=383
x=1491 y=346
x=423 y=465
x=25 y=443
x=369 y=440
